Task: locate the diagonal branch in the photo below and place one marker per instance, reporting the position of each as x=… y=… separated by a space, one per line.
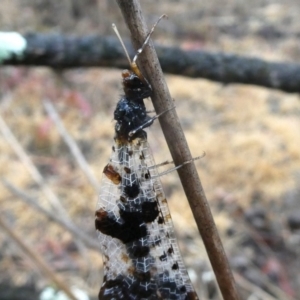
x=31 y=168
x=34 y=172
x=71 y=227
x=37 y=259
x=73 y=147
x=179 y=149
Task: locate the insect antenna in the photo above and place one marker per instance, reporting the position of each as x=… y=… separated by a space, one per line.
x=121 y=41
x=132 y=63
x=139 y=51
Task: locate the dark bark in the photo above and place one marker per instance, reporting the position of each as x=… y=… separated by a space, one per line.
x=62 y=52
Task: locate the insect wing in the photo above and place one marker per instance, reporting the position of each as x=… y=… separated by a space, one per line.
x=136 y=230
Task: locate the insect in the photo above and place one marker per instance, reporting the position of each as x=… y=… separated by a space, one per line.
x=142 y=260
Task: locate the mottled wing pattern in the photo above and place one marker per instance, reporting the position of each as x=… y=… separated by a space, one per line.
x=142 y=259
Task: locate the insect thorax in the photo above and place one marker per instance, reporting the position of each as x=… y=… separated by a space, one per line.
x=130 y=112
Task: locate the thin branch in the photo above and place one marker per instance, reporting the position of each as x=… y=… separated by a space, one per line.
x=74 y=149
x=258 y=292
x=33 y=202
x=58 y=51
x=37 y=259
x=35 y=174
x=179 y=149
x=29 y=165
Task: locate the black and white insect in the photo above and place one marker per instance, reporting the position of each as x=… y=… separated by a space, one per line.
x=142 y=260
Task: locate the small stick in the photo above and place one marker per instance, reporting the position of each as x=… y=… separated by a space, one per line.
x=258 y=292
x=37 y=259
x=31 y=168
x=179 y=149
x=74 y=149
x=33 y=202
x=34 y=172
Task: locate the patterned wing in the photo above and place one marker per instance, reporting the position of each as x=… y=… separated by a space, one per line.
x=141 y=255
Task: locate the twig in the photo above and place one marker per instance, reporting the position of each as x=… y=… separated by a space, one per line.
x=27 y=162
x=33 y=171
x=32 y=201
x=254 y=289
x=179 y=149
x=37 y=259
x=71 y=144
x=267 y=251
x=62 y=52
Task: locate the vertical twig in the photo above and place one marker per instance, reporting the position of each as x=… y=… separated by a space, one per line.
x=179 y=149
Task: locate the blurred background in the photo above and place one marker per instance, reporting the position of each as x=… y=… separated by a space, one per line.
x=251 y=137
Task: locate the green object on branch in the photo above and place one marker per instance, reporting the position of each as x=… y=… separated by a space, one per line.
x=11 y=43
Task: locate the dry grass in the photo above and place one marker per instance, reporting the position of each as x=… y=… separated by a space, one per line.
x=250 y=135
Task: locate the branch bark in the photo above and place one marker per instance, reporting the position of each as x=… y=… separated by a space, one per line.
x=62 y=52
x=179 y=149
